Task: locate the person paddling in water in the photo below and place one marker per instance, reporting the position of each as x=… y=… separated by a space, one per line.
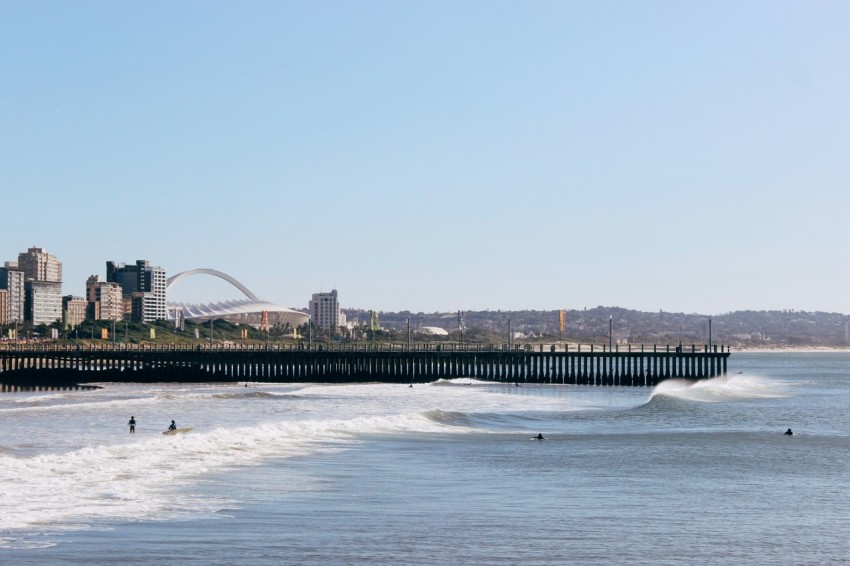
x=172 y=426
x=789 y=432
x=132 y=424
x=539 y=437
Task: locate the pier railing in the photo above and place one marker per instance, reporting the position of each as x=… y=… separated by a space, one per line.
x=34 y=346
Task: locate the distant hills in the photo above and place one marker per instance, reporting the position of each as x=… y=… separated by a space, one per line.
x=740 y=329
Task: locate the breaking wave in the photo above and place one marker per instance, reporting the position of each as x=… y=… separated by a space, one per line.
x=720 y=390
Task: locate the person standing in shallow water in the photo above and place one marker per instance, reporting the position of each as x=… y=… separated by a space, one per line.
x=132 y=424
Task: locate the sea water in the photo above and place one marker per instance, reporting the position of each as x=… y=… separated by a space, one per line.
x=443 y=473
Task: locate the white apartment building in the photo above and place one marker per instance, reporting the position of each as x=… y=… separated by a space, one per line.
x=12 y=281
x=325 y=311
x=43 y=286
x=43 y=301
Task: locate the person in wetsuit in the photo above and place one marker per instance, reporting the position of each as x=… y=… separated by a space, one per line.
x=539 y=437
x=789 y=432
x=172 y=426
x=132 y=424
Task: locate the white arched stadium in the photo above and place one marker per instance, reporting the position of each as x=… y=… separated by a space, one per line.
x=246 y=311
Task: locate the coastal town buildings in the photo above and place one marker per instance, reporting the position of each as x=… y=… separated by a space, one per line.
x=325 y=312
x=42 y=301
x=12 y=283
x=73 y=310
x=143 y=289
x=38 y=265
x=105 y=300
x=42 y=286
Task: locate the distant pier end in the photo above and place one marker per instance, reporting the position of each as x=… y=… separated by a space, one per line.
x=585 y=365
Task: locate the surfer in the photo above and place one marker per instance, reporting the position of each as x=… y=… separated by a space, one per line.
x=172 y=426
x=539 y=437
x=132 y=424
x=789 y=432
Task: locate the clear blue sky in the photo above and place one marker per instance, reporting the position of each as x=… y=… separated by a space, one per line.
x=423 y=156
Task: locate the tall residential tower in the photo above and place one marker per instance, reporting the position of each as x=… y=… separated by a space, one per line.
x=325 y=311
x=12 y=282
x=43 y=286
x=143 y=286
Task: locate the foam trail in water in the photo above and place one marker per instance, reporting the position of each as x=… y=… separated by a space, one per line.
x=142 y=479
x=721 y=389
x=65 y=466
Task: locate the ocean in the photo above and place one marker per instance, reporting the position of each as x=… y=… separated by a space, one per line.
x=443 y=473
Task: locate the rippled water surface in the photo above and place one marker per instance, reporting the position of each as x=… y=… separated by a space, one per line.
x=446 y=472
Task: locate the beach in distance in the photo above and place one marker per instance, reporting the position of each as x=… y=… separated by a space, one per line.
x=445 y=472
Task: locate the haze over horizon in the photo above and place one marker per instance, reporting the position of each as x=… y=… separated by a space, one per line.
x=436 y=156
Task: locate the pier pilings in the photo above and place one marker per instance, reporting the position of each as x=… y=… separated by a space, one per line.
x=645 y=367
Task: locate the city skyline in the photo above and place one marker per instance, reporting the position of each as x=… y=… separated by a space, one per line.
x=439 y=156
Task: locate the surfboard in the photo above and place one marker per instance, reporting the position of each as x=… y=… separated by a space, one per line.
x=176 y=431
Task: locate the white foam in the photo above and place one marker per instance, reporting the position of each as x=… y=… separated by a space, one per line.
x=721 y=389
x=142 y=479
x=87 y=467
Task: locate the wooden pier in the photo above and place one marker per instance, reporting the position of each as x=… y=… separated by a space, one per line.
x=584 y=365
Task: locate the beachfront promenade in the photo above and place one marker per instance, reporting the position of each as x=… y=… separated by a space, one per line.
x=641 y=366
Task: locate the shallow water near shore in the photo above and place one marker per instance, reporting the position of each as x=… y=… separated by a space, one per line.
x=445 y=472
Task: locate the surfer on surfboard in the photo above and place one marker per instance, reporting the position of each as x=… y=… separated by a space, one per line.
x=172 y=426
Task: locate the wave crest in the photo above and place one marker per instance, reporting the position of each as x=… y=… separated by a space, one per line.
x=720 y=389
x=255 y=395
x=451 y=418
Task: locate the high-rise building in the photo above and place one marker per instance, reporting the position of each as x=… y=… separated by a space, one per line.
x=325 y=311
x=42 y=301
x=42 y=287
x=12 y=281
x=143 y=285
x=39 y=265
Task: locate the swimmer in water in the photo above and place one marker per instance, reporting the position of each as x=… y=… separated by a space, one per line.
x=539 y=437
x=789 y=432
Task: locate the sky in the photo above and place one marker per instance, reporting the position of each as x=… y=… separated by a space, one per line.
x=437 y=155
